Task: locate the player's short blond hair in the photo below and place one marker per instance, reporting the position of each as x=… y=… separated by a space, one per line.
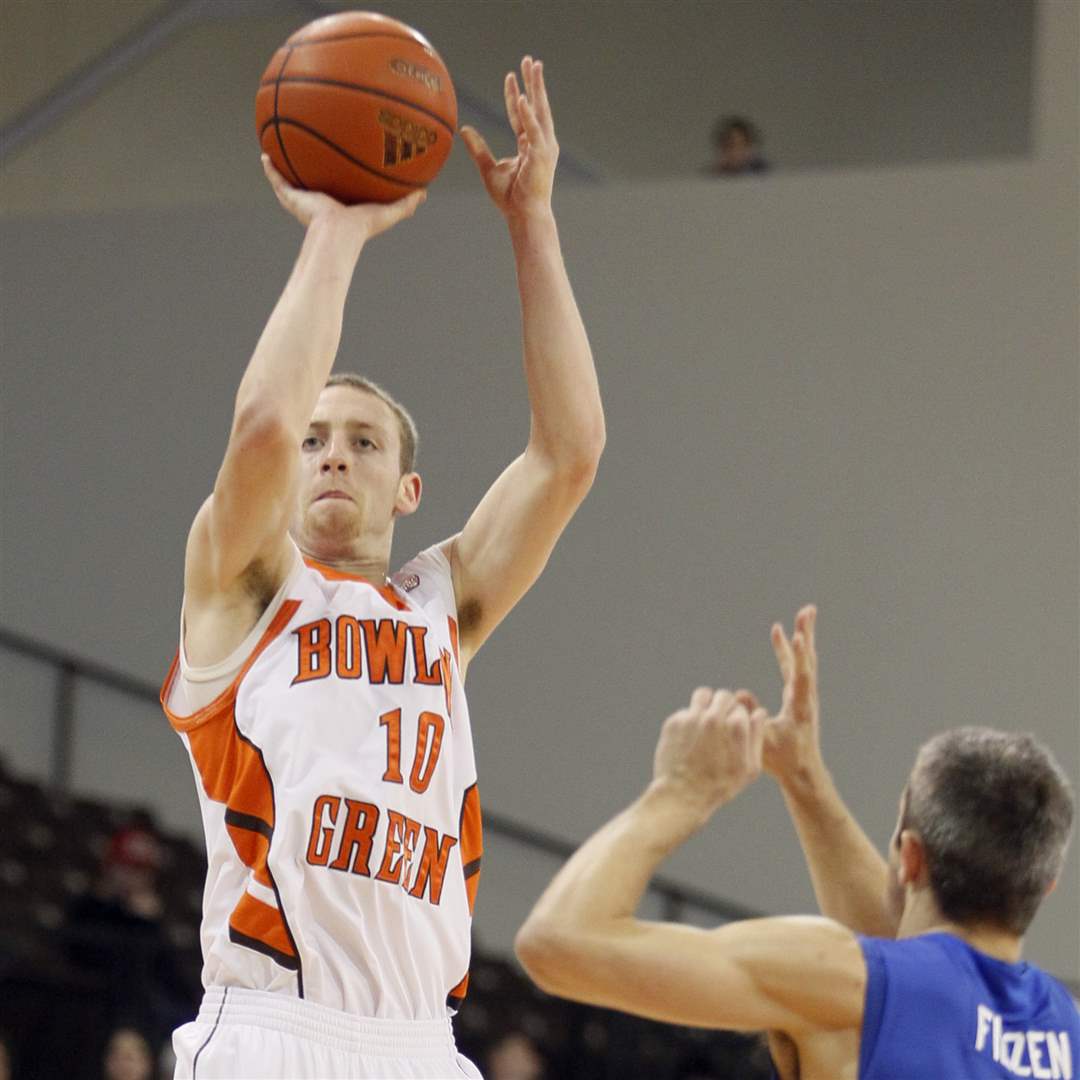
x=410 y=438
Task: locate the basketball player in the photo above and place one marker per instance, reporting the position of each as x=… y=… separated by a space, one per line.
x=320 y=699
x=984 y=821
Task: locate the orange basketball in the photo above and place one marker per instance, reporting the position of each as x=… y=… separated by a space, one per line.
x=357 y=105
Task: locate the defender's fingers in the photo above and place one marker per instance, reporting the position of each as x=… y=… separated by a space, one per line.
x=747 y=700
x=783 y=651
x=700 y=698
x=806 y=621
x=758 y=720
x=722 y=704
x=511 y=93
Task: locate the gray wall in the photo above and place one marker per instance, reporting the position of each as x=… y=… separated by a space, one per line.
x=636 y=86
x=856 y=389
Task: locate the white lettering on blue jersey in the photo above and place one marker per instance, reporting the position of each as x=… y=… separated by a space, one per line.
x=1042 y=1055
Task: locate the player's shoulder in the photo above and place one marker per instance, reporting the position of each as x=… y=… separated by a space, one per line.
x=427 y=578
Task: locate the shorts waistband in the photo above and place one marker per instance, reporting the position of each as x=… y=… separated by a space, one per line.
x=234 y=1005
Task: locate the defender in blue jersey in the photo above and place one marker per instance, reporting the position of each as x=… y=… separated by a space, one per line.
x=915 y=973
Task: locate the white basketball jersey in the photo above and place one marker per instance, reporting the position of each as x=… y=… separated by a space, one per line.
x=338 y=791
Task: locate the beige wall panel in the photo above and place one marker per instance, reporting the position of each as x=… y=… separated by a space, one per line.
x=42 y=42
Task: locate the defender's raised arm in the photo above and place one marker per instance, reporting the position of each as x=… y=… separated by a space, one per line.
x=849 y=874
x=582 y=940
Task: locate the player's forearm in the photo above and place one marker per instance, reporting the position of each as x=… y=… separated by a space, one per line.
x=849 y=875
x=602 y=884
x=296 y=350
x=564 y=396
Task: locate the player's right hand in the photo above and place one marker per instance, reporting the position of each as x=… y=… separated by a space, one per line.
x=366 y=219
x=709 y=751
x=792 y=750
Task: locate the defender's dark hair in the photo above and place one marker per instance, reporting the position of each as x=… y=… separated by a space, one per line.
x=994 y=812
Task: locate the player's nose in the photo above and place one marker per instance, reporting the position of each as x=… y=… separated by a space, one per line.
x=334 y=459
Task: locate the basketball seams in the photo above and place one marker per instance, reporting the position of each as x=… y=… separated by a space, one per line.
x=314 y=81
x=325 y=99
x=408 y=185
x=277 y=121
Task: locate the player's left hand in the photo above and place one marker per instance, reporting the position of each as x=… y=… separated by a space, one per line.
x=520 y=185
x=709 y=751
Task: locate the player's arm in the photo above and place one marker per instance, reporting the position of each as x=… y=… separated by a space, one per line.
x=508 y=538
x=582 y=940
x=246 y=518
x=849 y=874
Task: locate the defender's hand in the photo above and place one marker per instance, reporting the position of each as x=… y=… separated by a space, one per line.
x=365 y=220
x=709 y=751
x=792 y=737
x=522 y=184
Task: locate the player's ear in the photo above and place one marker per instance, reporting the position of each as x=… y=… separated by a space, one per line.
x=912 y=869
x=408 y=494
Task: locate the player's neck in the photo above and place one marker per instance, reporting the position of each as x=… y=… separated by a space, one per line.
x=925 y=918
x=369 y=562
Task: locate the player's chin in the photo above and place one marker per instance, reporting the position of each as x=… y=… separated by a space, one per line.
x=333 y=517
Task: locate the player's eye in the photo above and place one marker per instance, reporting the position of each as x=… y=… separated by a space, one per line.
x=310 y=443
x=365 y=443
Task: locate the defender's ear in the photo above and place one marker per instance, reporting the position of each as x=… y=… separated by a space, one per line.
x=912 y=869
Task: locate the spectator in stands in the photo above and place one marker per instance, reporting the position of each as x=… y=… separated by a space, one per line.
x=514 y=1057
x=737 y=147
x=128 y=1056
x=115 y=931
x=6 y=1071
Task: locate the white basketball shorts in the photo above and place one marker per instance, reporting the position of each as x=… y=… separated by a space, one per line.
x=256 y=1035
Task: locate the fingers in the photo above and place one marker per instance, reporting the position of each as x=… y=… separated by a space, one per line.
x=277 y=181
x=539 y=98
x=806 y=621
x=530 y=125
x=387 y=215
x=782 y=648
x=478 y=149
x=747 y=700
x=511 y=94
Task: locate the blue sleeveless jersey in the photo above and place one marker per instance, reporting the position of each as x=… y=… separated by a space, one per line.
x=937 y=1009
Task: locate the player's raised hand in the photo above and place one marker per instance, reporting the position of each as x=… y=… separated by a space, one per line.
x=521 y=184
x=711 y=750
x=792 y=737
x=364 y=219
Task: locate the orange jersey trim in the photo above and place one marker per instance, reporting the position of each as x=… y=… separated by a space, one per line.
x=224 y=701
x=233 y=773
x=471 y=833
x=331 y=574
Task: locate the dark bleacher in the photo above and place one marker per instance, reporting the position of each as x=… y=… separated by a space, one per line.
x=58 y=1011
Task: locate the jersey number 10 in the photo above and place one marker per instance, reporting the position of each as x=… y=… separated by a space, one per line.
x=429 y=735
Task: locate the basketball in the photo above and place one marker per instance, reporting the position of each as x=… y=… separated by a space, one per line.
x=358 y=106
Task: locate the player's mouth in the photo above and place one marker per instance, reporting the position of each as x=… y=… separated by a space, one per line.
x=331 y=495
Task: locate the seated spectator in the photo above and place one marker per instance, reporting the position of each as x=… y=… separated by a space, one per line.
x=115 y=931
x=737 y=146
x=127 y=1056
x=514 y=1057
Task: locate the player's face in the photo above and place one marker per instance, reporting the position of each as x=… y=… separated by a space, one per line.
x=350 y=462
